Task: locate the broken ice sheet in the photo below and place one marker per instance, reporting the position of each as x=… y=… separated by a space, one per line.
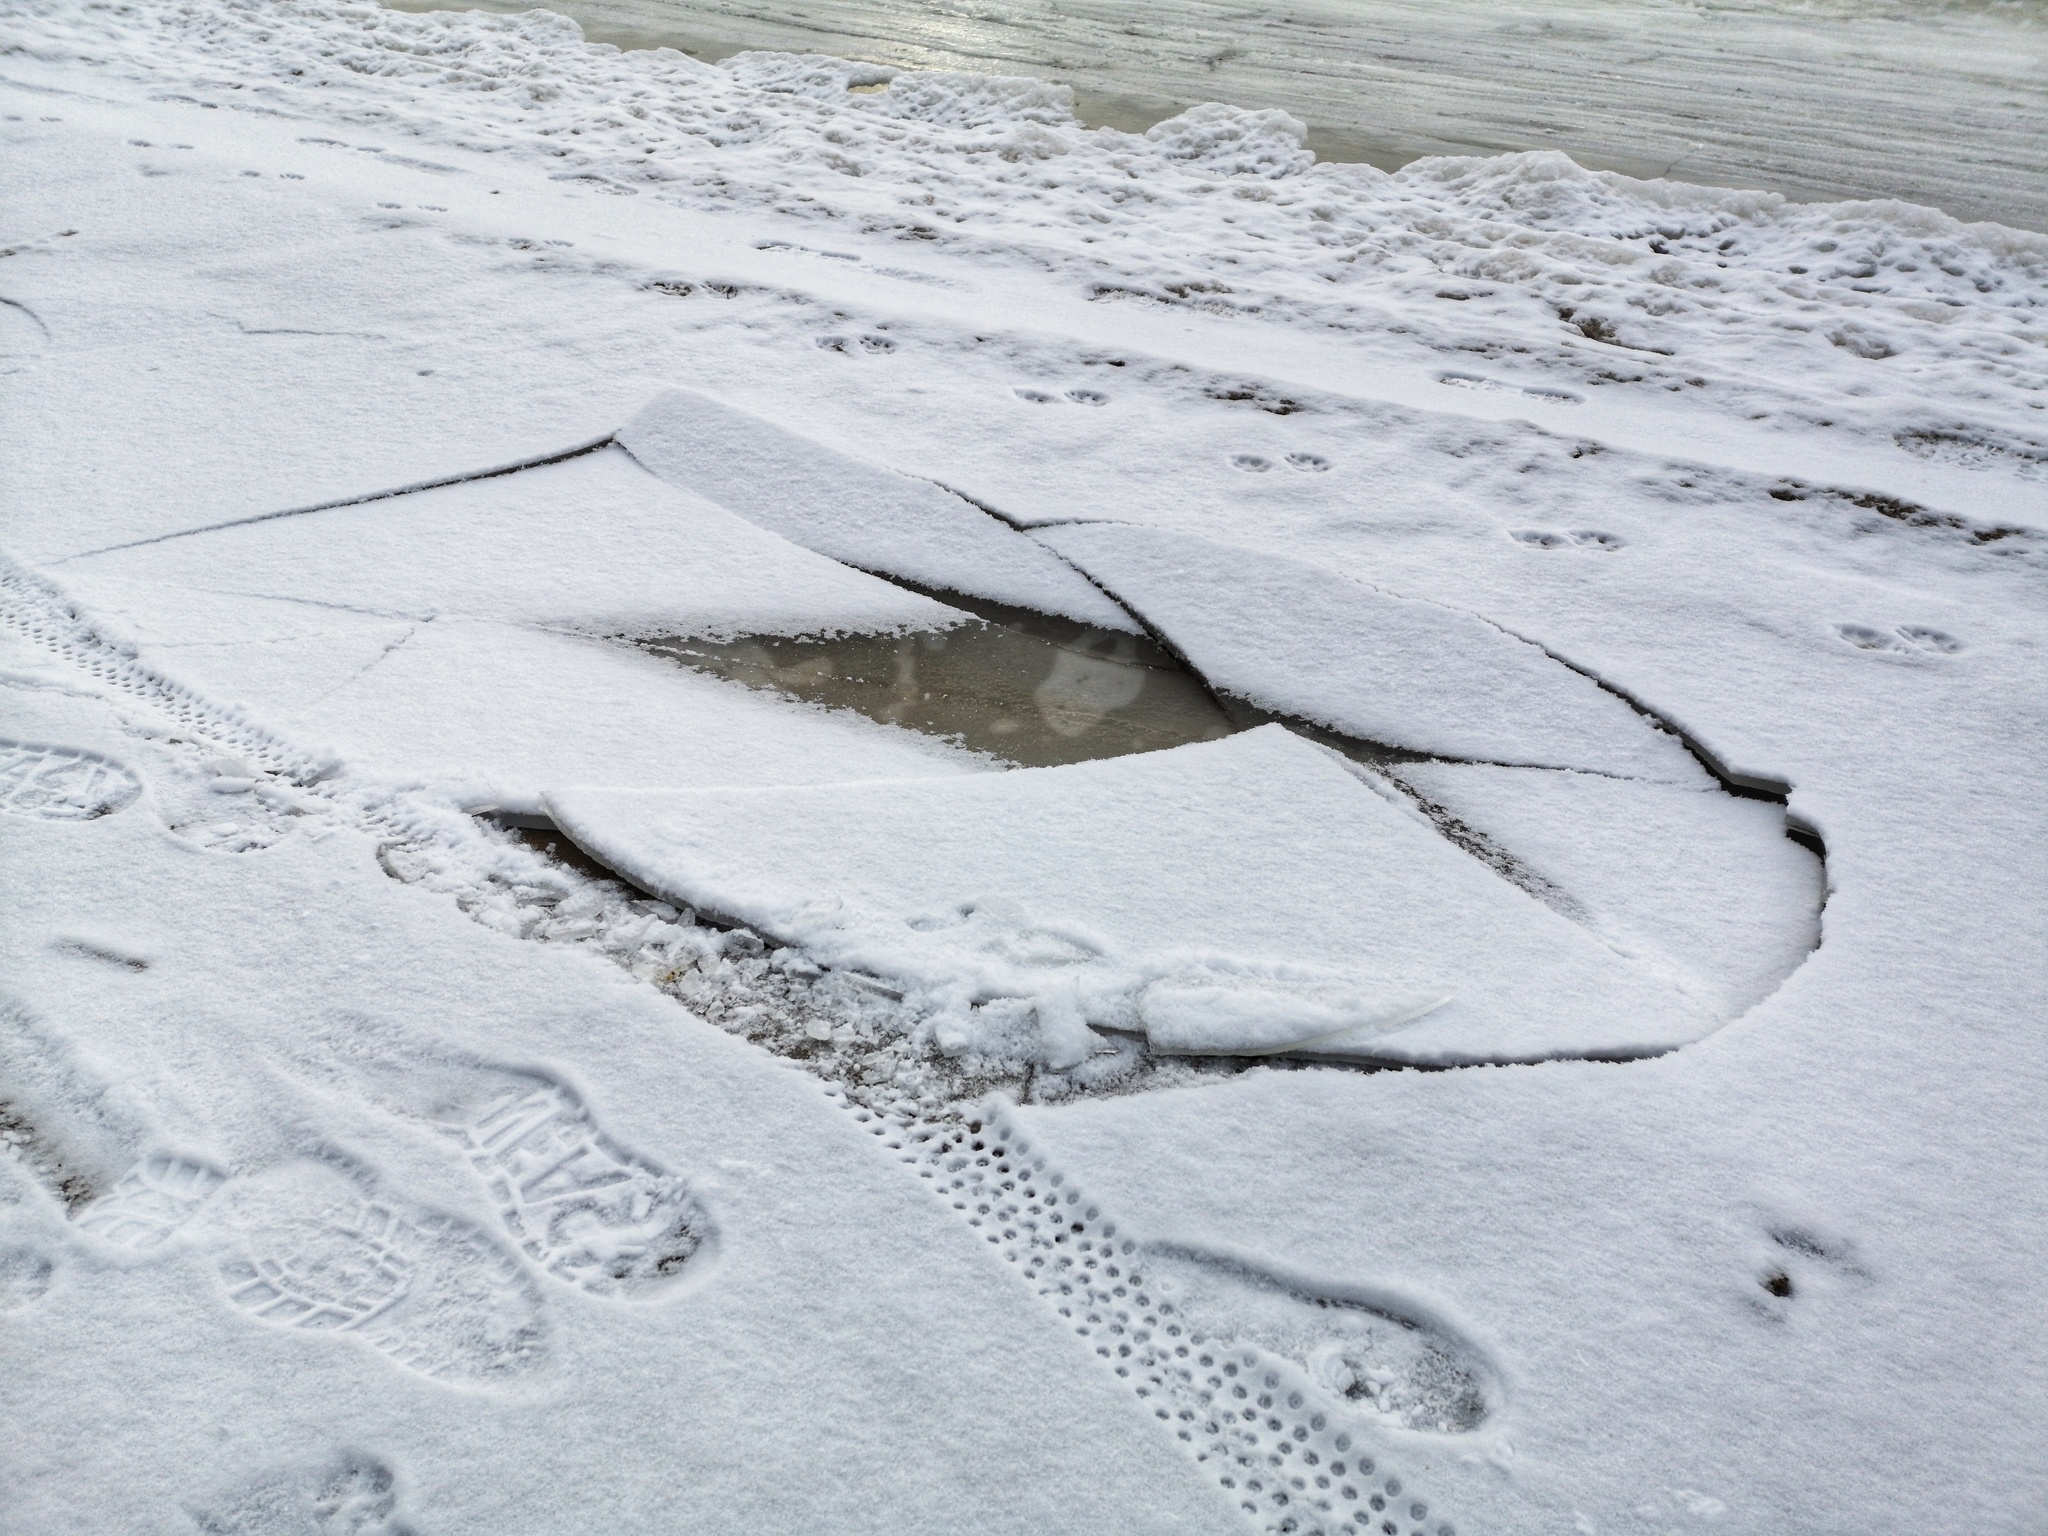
x=1257 y=863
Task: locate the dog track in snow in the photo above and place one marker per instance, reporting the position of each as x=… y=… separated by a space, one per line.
x=428 y=1290
x=62 y=784
x=152 y=1200
x=1576 y=538
x=1900 y=640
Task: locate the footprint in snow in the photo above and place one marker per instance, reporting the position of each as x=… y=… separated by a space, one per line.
x=435 y=1294
x=152 y=1200
x=1577 y=538
x=56 y=784
x=584 y=1208
x=1371 y=1354
x=352 y=1495
x=1902 y=640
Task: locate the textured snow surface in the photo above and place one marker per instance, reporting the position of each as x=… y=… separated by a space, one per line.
x=1041 y=1152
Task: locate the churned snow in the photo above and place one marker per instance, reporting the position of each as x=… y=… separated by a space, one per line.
x=1566 y=1061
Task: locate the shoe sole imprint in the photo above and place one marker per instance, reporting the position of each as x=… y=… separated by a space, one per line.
x=62 y=784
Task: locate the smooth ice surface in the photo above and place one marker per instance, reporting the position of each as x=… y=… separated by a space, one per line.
x=1130 y=878
x=862 y=514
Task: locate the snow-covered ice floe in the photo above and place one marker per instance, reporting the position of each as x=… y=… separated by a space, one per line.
x=1603 y=625
x=1128 y=895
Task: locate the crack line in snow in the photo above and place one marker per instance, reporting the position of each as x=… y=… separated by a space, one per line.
x=353 y=501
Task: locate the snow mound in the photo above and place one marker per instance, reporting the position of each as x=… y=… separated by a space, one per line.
x=1231 y=141
x=1249 y=896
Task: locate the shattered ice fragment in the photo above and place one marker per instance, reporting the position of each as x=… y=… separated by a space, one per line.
x=1210 y=1019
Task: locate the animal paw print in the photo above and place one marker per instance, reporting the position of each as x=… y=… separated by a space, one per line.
x=1903 y=640
x=55 y=784
x=846 y=345
x=1250 y=463
x=1074 y=396
x=154 y=1198
x=1801 y=1263
x=1308 y=463
x=1577 y=538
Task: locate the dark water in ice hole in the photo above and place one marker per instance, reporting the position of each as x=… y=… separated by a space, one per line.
x=1022 y=686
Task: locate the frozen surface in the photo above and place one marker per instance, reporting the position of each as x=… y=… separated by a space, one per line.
x=1304 y=641
x=1703 y=882
x=871 y=518
x=1735 y=91
x=365 y=1167
x=1128 y=890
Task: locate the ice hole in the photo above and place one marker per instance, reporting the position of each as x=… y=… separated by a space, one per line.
x=1025 y=687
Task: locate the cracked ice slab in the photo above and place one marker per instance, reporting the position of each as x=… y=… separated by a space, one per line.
x=868 y=517
x=1198 y=878
x=1302 y=640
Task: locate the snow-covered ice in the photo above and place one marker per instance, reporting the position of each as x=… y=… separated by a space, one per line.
x=1562 y=1059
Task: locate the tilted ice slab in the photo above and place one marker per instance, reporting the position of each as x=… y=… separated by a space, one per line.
x=1253 y=884
x=869 y=517
x=1702 y=882
x=1301 y=640
x=458 y=633
x=593 y=543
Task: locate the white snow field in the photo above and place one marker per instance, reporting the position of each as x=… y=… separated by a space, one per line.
x=1556 y=1048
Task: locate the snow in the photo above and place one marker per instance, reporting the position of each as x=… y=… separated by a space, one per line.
x=865 y=515
x=1299 y=639
x=365 y=1166
x=1129 y=887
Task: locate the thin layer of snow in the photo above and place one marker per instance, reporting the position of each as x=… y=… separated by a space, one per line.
x=1129 y=890
x=869 y=517
x=272 y=994
x=1302 y=640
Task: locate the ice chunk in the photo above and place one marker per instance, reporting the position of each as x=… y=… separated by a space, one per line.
x=859 y=513
x=1246 y=895
x=1186 y=1019
x=1303 y=640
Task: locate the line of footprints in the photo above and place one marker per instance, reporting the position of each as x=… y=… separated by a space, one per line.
x=320 y=1249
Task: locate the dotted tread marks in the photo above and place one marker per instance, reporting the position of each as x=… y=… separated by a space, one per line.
x=1272 y=1437
x=152 y=1200
x=56 y=784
